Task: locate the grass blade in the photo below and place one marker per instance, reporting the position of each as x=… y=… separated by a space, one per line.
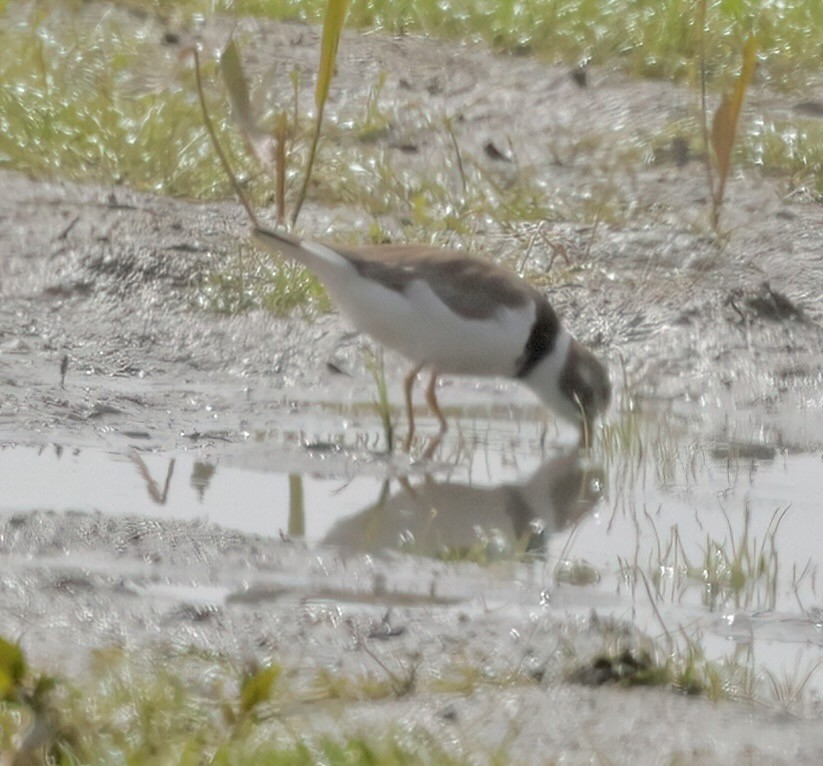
x=332 y=26
x=232 y=70
x=724 y=123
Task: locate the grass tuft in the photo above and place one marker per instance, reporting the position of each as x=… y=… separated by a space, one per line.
x=135 y=709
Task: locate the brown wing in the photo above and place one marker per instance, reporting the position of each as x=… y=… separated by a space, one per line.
x=470 y=287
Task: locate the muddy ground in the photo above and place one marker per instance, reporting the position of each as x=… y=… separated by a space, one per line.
x=728 y=329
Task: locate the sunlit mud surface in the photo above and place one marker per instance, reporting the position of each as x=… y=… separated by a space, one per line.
x=169 y=474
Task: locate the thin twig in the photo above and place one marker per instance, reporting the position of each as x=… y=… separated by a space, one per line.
x=309 y=165
x=219 y=149
x=280 y=168
x=458 y=155
x=704 y=113
x=656 y=610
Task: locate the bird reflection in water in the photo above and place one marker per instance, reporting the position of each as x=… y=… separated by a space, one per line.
x=442 y=518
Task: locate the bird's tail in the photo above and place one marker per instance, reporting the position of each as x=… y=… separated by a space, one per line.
x=319 y=258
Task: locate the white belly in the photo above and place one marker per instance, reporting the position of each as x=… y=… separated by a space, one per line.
x=418 y=325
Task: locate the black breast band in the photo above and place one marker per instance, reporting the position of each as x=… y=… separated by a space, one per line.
x=541 y=339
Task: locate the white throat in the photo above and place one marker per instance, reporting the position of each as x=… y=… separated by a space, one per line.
x=544 y=379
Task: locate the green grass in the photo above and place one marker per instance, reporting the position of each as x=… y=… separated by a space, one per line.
x=792 y=149
x=734 y=570
x=78 y=101
x=93 y=102
x=678 y=662
x=737 y=569
x=651 y=38
x=133 y=708
x=789 y=148
x=252 y=281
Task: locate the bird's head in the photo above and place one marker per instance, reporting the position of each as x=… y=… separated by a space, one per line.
x=574 y=383
x=584 y=383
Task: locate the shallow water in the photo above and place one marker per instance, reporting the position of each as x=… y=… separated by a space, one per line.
x=317 y=491
x=682 y=534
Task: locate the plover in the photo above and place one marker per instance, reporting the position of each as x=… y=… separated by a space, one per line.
x=455 y=315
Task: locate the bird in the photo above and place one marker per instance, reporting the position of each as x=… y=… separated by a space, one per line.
x=455 y=315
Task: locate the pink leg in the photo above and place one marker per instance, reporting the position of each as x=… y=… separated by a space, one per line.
x=431 y=399
x=408 y=383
